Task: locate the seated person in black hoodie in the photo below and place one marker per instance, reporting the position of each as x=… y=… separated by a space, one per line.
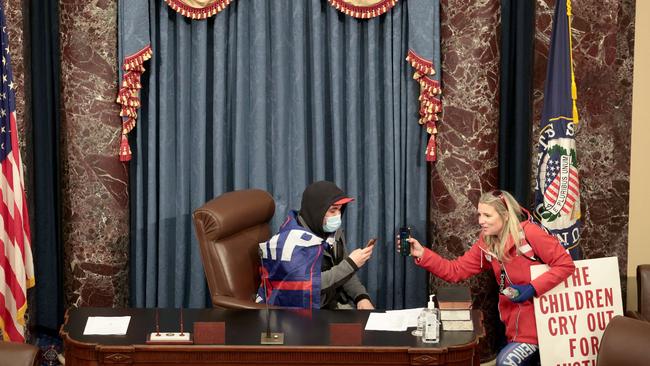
x=316 y=229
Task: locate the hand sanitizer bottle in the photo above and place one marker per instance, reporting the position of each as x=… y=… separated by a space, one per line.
x=431 y=322
x=419 y=330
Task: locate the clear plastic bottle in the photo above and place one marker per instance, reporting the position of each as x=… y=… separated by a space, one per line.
x=431 y=331
x=419 y=330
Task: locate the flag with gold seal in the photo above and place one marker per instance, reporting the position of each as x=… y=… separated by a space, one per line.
x=557 y=190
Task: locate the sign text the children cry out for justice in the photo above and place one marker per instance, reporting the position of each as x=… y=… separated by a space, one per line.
x=571 y=317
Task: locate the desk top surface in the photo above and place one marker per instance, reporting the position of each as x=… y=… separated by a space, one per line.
x=243 y=327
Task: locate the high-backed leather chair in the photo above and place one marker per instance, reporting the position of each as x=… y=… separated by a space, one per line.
x=643 y=293
x=18 y=354
x=229 y=229
x=625 y=342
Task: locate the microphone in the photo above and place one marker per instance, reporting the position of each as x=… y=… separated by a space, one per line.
x=182 y=334
x=157 y=323
x=266 y=300
x=267 y=337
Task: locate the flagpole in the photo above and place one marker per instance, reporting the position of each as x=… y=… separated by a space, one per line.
x=574 y=88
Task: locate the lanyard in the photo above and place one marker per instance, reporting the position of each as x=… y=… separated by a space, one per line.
x=502 y=277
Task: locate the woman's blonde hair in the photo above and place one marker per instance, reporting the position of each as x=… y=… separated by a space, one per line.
x=510 y=211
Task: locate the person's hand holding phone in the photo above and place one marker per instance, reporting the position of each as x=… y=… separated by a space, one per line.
x=371 y=242
x=402 y=239
x=417 y=250
x=410 y=246
x=361 y=256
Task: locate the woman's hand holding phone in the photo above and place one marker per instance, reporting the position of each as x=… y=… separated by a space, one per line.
x=417 y=250
x=402 y=244
x=410 y=246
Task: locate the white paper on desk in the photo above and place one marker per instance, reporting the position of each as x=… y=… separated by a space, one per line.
x=107 y=325
x=386 y=321
x=410 y=316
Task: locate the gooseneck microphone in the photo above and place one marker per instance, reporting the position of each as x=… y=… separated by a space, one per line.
x=266 y=300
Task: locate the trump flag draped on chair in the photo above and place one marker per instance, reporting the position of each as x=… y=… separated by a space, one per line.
x=17 y=272
x=557 y=190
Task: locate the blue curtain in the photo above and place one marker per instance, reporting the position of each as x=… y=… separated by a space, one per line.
x=515 y=92
x=44 y=103
x=275 y=95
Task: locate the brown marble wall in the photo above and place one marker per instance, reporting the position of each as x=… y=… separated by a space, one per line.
x=95 y=196
x=603 y=46
x=467 y=147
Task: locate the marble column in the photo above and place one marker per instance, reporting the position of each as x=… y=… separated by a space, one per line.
x=467 y=148
x=95 y=191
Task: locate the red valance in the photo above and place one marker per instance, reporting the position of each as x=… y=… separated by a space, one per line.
x=363 y=9
x=198 y=9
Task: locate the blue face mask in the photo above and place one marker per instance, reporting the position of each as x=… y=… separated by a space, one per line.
x=332 y=223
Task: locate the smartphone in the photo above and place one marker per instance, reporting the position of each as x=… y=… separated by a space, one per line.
x=405 y=247
x=371 y=242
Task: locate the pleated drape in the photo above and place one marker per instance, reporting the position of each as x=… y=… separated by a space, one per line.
x=275 y=95
x=516 y=90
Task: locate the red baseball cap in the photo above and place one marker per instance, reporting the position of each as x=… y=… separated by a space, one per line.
x=343 y=201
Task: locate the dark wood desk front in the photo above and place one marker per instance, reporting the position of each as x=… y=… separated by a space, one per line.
x=306 y=333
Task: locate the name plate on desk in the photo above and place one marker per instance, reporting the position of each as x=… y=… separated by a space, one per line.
x=169 y=338
x=345 y=334
x=209 y=332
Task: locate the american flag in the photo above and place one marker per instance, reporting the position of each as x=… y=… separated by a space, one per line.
x=17 y=273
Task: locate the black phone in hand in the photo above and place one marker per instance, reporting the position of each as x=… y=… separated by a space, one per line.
x=404 y=234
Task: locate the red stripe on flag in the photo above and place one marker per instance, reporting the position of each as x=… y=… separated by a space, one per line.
x=11 y=281
x=25 y=225
x=10 y=224
x=7 y=171
x=8 y=320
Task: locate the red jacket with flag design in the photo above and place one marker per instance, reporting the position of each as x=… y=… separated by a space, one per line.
x=519 y=318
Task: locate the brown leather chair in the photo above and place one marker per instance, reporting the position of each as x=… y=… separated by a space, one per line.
x=229 y=229
x=18 y=354
x=643 y=294
x=625 y=342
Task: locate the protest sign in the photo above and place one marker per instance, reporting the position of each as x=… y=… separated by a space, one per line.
x=571 y=317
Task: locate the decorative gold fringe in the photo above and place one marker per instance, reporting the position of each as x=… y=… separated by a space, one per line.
x=423 y=66
x=430 y=104
x=363 y=12
x=129 y=96
x=198 y=13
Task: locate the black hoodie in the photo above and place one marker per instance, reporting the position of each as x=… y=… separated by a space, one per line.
x=316 y=200
x=338 y=280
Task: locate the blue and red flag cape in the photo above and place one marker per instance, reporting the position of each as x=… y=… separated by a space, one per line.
x=291 y=267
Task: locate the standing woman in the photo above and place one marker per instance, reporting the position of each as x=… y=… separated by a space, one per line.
x=508 y=244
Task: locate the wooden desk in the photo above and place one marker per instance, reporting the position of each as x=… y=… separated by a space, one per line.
x=306 y=336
